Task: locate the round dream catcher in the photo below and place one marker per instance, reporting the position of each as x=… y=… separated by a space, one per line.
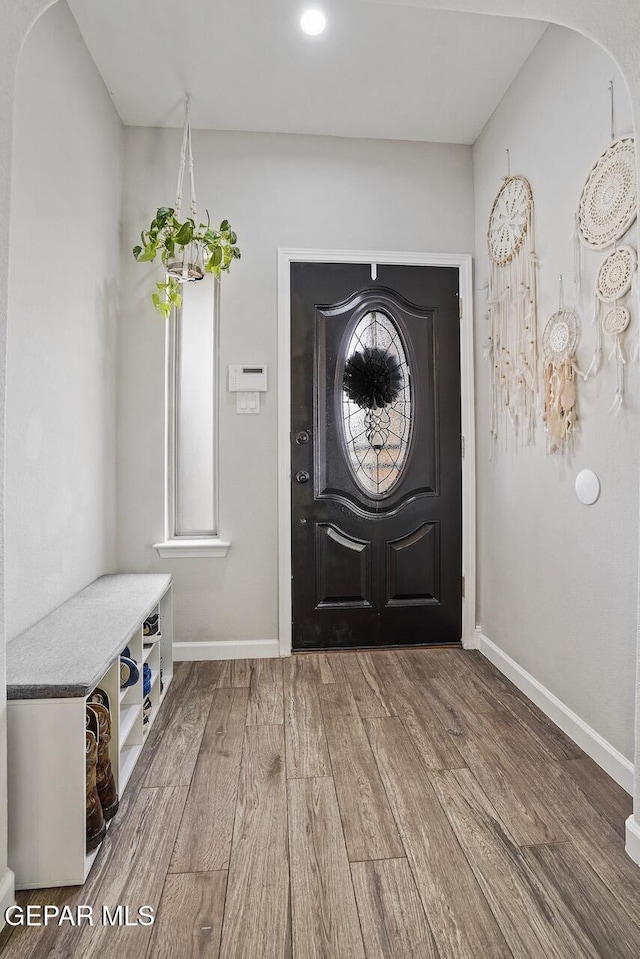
x=560 y=336
x=559 y=341
x=372 y=378
x=616 y=321
x=607 y=210
x=512 y=308
x=614 y=281
x=510 y=220
x=614 y=324
x=608 y=205
x=616 y=274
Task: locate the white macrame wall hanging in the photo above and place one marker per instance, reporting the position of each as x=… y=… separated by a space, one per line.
x=513 y=337
x=607 y=210
x=608 y=204
x=614 y=323
x=614 y=281
x=559 y=342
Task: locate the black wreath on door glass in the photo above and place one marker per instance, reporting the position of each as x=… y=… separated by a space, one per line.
x=372 y=378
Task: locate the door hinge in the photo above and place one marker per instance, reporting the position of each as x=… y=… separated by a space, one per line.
x=460 y=307
x=463 y=587
x=462 y=447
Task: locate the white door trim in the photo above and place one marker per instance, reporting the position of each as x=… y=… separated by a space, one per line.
x=464 y=263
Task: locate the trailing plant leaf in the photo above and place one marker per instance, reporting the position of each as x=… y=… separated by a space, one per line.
x=169 y=238
x=149 y=253
x=164 y=213
x=168 y=297
x=216 y=258
x=184 y=236
x=162 y=306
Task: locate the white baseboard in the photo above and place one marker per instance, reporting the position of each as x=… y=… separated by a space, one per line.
x=632 y=844
x=250 y=649
x=601 y=751
x=7 y=894
x=471 y=640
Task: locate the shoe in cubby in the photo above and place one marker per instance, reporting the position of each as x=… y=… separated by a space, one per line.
x=105 y=780
x=96 y=827
x=129 y=672
x=151 y=626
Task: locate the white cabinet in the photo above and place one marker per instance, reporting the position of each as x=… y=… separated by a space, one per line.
x=46 y=746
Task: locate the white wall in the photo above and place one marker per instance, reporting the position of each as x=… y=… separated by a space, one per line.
x=557 y=580
x=63 y=302
x=294 y=191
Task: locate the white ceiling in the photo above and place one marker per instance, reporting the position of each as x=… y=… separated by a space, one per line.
x=378 y=71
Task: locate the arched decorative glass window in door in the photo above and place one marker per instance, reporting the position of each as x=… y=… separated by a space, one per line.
x=377 y=404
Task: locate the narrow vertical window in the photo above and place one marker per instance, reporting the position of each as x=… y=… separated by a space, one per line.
x=191 y=429
x=193 y=450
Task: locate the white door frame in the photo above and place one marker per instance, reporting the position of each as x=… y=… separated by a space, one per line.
x=464 y=264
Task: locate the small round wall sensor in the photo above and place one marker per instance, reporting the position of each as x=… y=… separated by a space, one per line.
x=587 y=487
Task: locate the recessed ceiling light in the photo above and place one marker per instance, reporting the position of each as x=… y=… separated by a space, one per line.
x=313 y=22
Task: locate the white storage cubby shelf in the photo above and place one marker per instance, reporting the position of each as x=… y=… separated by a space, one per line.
x=46 y=717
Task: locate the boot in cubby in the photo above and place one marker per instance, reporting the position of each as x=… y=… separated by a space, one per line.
x=105 y=782
x=96 y=827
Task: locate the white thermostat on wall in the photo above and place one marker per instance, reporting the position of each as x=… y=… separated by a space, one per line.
x=247 y=382
x=247 y=379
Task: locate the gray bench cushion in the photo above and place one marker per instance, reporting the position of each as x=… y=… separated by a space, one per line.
x=67 y=652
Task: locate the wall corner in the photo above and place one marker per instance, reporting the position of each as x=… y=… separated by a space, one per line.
x=7 y=894
x=632 y=839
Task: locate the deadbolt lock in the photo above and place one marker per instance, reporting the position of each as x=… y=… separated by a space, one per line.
x=302 y=437
x=302 y=476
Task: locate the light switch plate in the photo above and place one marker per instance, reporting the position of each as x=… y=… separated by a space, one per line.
x=247 y=404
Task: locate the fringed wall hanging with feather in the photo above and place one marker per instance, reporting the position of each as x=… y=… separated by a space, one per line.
x=613 y=283
x=512 y=313
x=607 y=210
x=614 y=323
x=559 y=342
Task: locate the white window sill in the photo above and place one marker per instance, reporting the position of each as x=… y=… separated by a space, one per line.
x=192 y=549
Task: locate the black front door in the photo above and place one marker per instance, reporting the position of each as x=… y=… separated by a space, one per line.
x=376 y=460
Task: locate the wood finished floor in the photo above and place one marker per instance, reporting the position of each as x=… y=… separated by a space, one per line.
x=406 y=804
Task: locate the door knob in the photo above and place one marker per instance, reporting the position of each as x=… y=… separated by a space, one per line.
x=302 y=476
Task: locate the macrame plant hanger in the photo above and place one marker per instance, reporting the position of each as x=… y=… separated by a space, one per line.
x=512 y=310
x=191 y=266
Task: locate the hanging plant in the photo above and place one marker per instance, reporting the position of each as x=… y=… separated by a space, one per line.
x=187 y=251
x=372 y=378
